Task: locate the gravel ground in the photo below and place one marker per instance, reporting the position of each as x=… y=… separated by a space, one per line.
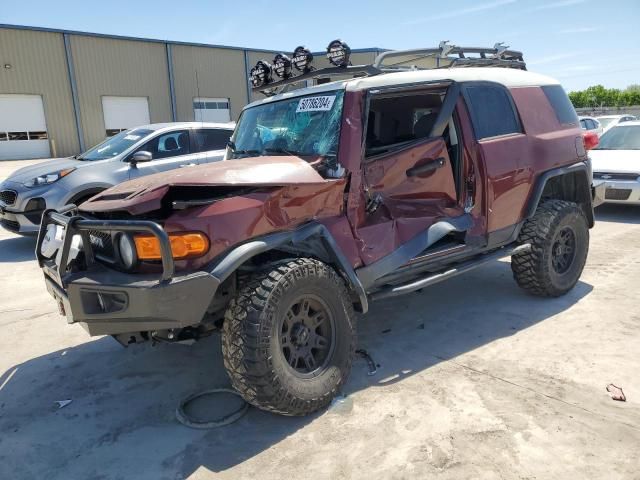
x=477 y=380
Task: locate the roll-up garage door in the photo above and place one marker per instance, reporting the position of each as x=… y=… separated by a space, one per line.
x=121 y=113
x=211 y=110
x=23 y=128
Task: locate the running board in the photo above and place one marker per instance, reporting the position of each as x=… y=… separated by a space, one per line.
x=452 y=272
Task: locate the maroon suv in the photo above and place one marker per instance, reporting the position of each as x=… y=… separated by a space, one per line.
x=331 y=197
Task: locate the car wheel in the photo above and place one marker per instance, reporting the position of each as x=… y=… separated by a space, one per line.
x=289 y=337
x=559 y=238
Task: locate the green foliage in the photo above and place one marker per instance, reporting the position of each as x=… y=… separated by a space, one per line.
x=598 y=96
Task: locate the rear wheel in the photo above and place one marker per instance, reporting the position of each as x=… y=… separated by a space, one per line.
x=289 y=337
x=559 y=238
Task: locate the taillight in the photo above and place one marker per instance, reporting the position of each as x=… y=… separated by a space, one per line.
x=183 y=245
x=590 y=140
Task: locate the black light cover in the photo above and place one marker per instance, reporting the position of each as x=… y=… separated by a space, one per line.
x=338 y=53
x=302 y=59
x=261 y=74
x=282 y=65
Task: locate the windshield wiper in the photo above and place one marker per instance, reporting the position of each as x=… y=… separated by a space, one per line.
x=285 y=151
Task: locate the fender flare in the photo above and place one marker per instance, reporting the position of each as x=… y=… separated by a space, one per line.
x=330 y=253
x=541 y=183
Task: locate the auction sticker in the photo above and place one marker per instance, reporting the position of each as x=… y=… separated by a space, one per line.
x=316 y=104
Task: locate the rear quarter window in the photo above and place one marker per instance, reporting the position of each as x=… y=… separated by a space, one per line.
x=492 y=111
x=561 y=104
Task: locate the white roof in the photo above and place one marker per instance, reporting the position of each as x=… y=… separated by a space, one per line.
x=613 y=116
x=509 y=77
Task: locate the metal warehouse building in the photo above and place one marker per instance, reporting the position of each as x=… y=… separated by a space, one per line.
x=63 y=91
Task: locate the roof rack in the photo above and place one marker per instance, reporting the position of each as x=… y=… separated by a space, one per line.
x=444 y=56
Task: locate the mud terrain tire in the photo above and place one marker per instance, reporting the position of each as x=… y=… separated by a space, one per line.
x=559 y=238
x=272 y=328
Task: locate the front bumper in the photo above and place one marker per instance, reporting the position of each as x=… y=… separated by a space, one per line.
x=21 y=216
x=621 y=191
x=108 y=302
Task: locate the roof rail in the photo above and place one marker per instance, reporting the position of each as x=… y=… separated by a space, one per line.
x=445 y=56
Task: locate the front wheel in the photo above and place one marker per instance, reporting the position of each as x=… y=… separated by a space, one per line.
x=559 y=238
x=289 y=337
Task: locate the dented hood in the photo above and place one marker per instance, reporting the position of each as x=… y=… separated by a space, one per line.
x=145 y=194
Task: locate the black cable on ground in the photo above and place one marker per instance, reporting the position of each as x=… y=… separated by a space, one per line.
x=184 y=419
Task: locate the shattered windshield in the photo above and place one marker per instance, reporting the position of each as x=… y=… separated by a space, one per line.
x=303 y=126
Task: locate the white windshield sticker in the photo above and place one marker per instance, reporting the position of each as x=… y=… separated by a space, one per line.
x=316 y=104
x=132 y=137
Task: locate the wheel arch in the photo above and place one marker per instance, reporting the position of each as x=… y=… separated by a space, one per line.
x=313 y=239
x=87 y=192
x=571 y=183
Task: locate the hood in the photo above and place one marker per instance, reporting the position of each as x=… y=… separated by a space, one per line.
x=615 y=161
x=145 y=194
x=47 y=166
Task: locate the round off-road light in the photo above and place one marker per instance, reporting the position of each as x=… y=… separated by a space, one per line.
x=127 y=249
x=260 y=74
x=302 y=59
x=282 y=65
x=338 y=53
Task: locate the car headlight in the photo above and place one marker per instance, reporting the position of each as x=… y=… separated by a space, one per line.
x=49 y=178
x=127 y=249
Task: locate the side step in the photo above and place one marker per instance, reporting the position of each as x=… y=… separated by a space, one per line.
x=457 y=270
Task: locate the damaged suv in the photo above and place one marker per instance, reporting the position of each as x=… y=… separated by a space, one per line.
x=330 y=197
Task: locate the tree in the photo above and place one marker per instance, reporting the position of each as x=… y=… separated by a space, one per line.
x=599 y=96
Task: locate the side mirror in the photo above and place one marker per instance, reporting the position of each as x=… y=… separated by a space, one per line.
x=141 y=156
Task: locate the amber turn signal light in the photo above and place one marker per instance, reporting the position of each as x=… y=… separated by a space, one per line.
x=183 y=245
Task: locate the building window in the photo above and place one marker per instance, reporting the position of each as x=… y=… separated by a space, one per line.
x=38 y=136
x=18 y=135
x=114 y=131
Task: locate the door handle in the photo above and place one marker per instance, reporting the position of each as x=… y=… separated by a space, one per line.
x=426 y=167
x=187 y=165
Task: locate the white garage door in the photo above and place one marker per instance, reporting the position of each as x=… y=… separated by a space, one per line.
x=121 y=113
x=211 y=109
x=23 y=128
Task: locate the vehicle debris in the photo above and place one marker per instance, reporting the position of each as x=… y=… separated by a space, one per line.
x=373 y=366
x=616 y=393
x=62 y=403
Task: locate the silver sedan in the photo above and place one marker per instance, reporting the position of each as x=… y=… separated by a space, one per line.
x=132 y=153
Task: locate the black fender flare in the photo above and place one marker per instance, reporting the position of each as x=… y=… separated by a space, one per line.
x=541 y=183
x=326 y=249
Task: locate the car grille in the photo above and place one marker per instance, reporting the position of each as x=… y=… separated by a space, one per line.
x=102 y=245
x=615 y=176
x=10 y=225
x=617 y=194
x=8 y=197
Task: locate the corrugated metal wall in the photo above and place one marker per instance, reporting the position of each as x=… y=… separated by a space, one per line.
x=107 y=66
x=38 y=67
x=220 y=74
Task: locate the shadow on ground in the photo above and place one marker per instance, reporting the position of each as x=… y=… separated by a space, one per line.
x=17 y=249
x=619 y=213
x=121 y=422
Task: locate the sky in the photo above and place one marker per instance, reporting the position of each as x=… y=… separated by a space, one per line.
x=580 y=42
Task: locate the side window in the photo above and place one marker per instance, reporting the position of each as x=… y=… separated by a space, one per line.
x=397 y=120
x=492 y=111
x=561 y=104
x=211 y=139
x=583 y=124
x=170 y=144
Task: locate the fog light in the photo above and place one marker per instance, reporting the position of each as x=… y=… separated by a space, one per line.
x=338 y=53
x=127 y=249
x=302 y=59
x=35 y=204
x=282 y=65
x=260 y=74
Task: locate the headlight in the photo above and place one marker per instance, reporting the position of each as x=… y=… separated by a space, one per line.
x=127 y=251
x=49 y=178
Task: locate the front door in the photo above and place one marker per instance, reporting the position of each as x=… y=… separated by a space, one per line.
x=408 y=172
x=168 y=151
